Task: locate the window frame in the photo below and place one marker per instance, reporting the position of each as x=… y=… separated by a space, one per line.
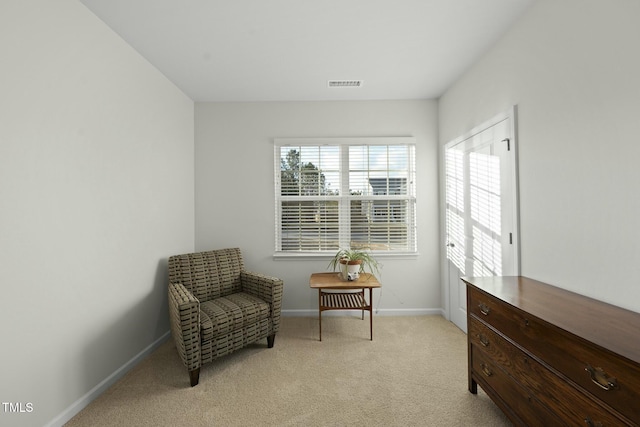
x=345 y=199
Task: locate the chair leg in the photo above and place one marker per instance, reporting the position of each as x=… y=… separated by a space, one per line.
x=270 y=340
x=194 y=376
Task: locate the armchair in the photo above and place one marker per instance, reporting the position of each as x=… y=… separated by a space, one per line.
x=216 y=307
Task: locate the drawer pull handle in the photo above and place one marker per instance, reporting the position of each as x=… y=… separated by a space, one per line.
x=590 y=423
x=483 y=340
x=601 y=378
x=486 y=370
x=484 y=309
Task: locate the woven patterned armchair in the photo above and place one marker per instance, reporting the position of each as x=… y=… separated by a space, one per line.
x=216 y=307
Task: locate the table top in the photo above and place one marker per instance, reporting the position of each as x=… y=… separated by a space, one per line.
x=334 y=281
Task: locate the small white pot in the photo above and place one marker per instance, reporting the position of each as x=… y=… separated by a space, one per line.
x=350 y=270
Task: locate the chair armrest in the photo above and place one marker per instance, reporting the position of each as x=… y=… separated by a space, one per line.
x=267 y=288
x=184 y=319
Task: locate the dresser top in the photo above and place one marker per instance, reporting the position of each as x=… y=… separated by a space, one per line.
x=613 y=328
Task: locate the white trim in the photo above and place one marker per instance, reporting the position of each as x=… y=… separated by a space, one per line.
x=282 y=256
x=95 y=392
x=359 y=140
x=510 y=113
x=339 y=150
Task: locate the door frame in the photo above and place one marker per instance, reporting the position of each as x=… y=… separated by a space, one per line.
x=510 y=114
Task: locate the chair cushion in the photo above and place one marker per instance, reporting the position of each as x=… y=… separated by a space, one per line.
x=226 y=314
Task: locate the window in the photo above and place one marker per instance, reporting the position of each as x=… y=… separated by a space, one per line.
x=345 y=193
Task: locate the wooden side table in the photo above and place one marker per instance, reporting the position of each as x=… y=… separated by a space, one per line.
x=344 y=300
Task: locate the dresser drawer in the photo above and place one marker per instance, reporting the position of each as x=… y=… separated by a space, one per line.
x=607 y=376
x=526 y=409
x=503 y=317
x=569 y=403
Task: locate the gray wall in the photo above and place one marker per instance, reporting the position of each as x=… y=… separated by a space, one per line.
x=235 y=189
x=573 y=69
x=97 y=181
x=96 y=187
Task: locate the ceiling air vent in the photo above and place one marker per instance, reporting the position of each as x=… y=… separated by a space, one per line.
x=345 y=83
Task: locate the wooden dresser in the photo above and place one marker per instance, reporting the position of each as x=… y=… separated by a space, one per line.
x=551 y=357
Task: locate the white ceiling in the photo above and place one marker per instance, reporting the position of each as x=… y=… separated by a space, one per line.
x=287 y=50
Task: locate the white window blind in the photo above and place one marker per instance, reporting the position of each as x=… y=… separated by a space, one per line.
x=345 y=193
x=484 y=188
x=455 y=208
x=481 y=196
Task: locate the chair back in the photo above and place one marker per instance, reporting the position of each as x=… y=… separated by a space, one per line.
x=208 y=275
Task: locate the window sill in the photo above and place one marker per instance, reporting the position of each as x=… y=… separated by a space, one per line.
x=284 y=256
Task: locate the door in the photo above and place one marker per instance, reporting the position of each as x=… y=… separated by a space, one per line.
x=481 y=220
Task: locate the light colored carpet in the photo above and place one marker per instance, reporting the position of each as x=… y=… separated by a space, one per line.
x=413 y=373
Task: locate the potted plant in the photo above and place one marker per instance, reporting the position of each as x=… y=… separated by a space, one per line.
x=352 y=262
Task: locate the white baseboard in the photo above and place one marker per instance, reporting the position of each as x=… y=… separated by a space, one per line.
x=379 y=312
x=92 y=394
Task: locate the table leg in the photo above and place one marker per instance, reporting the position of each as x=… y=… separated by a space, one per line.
x=363 y=301
x=320 y=311
x=370 y=312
